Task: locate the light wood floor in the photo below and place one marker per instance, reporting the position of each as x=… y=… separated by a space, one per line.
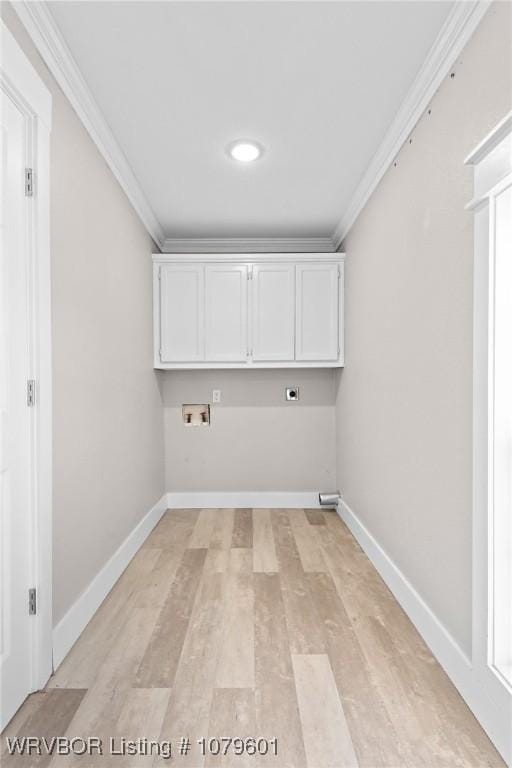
x=256 y=623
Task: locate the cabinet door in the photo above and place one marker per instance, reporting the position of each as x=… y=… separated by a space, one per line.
x=226 y=312
x=181 y=313
x=273 y=312
x=317 y=312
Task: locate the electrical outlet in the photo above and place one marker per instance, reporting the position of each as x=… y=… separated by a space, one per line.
x=216 y=396
x=292 y=393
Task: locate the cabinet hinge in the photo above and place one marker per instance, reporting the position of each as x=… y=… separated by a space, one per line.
x=160 y=273
x=29 y=182
x=339 y=271
x=31 y=393
x=32 y=601
x=249 y=274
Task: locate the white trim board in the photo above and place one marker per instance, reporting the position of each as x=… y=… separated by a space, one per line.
x=248 y=245
x=492 y=161
x=20 y=81
x=454 y=35
x=251 y=257
x=238 y=499
x=20 y=73
x=73 y=623
x=455 y=662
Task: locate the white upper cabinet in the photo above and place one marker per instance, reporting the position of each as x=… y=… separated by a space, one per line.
x=317 y=312
x=273 y=312
x=226 y=312
x=248 y=310
x=181 y=313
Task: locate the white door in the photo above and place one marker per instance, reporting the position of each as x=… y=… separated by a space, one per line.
x=273 y=312
x=226 y=312
x=15 y=437
x=181 y=313
x=317 y=314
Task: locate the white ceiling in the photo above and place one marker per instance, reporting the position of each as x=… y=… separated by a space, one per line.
x=316 y=83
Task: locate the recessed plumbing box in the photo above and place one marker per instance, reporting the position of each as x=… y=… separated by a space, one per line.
x=292 y=393
x=196 y=415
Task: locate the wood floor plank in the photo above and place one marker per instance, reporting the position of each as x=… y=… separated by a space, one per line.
x=159 y=663
x=213 y=619
x=236 y=662
x=388 y=640
x=326 y=735
x=307 y=542
x=315 y=516
x=17 y=723
x=173 y=530
x=203 y=529
x=445 y=719
x=304 y=628
x=358 y=583
x=103 y=703
x=264 y=551
x=217 y=558
x=50 y=717
x=232 y=715
x=80 y=667
x=418 y=728
x=375 y=741
x=242 y=532
x=358 y=597
x=141 y=716
x=188 y=713
x=277 y=712
x=97 y=717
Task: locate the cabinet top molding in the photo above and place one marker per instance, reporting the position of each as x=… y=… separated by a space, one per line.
x=246 y=258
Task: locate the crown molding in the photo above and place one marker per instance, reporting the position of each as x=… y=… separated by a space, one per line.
x=40 y=25
x=248 y=245
x=453 y=36
x=455 y=33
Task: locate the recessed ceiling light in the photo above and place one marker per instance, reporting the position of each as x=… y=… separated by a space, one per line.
x=245 y=151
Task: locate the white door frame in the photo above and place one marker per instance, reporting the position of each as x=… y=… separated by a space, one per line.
x=23 y=85
x=492 y=162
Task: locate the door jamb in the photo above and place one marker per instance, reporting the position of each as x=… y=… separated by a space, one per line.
x=20 y=81
x=492 y=165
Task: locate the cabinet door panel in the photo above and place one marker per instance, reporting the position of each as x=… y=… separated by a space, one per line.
x=317 y=312
x=273 y=312
x=181 y=313
x=226 y=312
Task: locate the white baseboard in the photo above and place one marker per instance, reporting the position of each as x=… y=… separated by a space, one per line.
x=71 y=626
x=231 y=499
x=449 y=654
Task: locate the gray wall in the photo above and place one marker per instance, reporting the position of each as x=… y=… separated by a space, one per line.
x=108 y=434
x=404 y=400
x=257 y=440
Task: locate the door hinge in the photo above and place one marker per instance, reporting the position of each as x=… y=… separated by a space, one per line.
x=29 y=182
x=32 y=601
x=31 y=393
